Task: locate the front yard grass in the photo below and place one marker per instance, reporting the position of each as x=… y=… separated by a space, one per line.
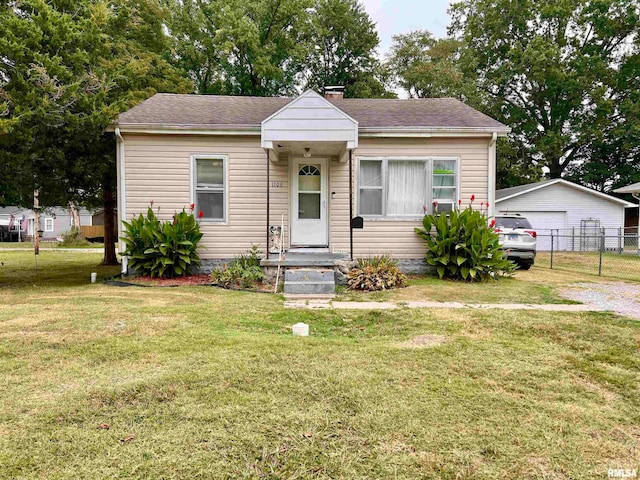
x=505 y=290
x=614 y=266
x=199 y=382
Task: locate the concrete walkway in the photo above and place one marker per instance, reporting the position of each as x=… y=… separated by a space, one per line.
x=315 y=303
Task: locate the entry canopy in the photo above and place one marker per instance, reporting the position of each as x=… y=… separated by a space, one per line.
x=309 y=118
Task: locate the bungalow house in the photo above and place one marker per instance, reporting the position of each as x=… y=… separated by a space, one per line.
x=345 y=177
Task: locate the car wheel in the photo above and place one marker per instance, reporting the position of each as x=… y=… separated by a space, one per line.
x=524 y=265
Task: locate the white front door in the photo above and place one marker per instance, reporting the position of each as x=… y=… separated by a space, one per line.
x=309 y=226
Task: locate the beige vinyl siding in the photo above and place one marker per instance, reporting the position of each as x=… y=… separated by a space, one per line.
x=158 y=168
x=339 y=222
x=397 y=237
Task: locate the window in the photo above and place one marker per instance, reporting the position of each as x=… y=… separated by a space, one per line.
x=209 y=175
x=309 y=192
x=406 y=187
x=48 y=224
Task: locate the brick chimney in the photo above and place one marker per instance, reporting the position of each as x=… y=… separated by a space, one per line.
x=332 y=92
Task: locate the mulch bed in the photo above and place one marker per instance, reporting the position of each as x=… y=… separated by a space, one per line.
x=198 y=279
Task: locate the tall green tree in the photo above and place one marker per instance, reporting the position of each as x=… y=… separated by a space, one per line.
x=342 y=44
x=193 y=48
x=240 y=47
x=67 y=69
x=427 y=67
x=550 y=68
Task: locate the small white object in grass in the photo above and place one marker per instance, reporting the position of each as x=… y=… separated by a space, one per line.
x=94 y=277
x=301 y=329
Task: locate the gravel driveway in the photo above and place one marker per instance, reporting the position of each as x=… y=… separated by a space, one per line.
x=621 y=298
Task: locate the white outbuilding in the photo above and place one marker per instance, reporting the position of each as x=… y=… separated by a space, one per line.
x=576 y=215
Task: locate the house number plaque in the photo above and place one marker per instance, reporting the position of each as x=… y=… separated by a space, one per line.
x=277 y=184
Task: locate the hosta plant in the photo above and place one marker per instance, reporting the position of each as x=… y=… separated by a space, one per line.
x=462 y=246
x=376 y=273
x=162 y=249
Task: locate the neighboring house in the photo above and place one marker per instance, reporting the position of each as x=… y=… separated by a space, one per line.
x=575 y=214
x=54 y=222
x=242 y=160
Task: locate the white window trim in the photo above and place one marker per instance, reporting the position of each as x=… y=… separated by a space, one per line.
x=46 y=224
x=225 y=189
x=429 y=184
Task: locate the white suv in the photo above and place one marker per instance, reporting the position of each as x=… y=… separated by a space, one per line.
x=518 y=239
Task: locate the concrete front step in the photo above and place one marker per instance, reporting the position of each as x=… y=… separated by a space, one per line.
x=304 y=281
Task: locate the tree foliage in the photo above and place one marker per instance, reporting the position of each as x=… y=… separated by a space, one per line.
x=426 y=67
x=557 y=72
x=275 y=47
x=67 y=70
x=240 y=47
x=342 y=42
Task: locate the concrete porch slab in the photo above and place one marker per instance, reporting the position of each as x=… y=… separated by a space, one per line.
x=306 y=259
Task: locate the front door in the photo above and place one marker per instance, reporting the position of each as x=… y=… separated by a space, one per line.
x=309 y=226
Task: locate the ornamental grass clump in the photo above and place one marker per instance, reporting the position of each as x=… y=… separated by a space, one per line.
x=461 y=245
x=376 y=273
x=162 y=249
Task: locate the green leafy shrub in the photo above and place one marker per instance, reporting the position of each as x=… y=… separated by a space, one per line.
x=244 y=271
x=73 y=238
x=376 y=273
x=462 y=246
x=162 y=249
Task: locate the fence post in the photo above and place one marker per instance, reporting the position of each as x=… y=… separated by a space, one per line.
x=601 y=251
x=573 y=239
x=620 y=241
x=551 y=249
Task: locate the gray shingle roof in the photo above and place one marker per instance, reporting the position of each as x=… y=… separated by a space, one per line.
x=522 y=189
x=213 y=111
x=507 y=192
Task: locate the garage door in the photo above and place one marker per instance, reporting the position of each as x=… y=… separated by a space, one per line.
x=543 y=223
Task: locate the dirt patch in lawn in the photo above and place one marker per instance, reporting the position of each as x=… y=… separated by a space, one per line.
x=424 y=341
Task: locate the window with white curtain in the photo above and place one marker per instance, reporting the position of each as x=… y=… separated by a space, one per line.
x=406 y=187
x=48 y=224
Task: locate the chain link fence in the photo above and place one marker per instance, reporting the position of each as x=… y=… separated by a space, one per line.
x=595 y=250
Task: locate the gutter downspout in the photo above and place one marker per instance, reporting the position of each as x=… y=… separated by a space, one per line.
x=122 y=207
x=268 y=200
x=351 y=204
x=491 y=184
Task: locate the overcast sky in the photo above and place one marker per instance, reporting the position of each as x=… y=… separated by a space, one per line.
x=402 y=16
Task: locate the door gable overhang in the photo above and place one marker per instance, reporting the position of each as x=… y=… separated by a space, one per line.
x=309 y=118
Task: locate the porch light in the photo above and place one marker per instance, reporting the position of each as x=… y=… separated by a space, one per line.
x=307 y=152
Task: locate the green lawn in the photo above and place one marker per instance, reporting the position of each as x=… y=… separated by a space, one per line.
x=616 y=266
x=197 y=382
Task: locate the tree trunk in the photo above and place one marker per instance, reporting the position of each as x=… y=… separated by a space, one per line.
x=110 y=257
x=75 y=215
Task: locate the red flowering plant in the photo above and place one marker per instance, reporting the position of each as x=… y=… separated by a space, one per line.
x=461 y=245
x=162 y=249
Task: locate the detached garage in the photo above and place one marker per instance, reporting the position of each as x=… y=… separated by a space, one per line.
x=576 y=215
